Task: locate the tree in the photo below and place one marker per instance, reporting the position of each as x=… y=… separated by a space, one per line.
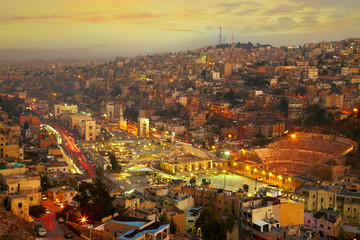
x=193 y=181
x=26 y=125
x=72 y=182
x=99 y=172
x=45 y=183
x=211 y=224
x=246 y=188
x=95 y=200
x=36 y=211
x=113 y=161
x=230 y=222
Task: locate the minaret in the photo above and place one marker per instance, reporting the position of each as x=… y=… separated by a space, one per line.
x=121 y=120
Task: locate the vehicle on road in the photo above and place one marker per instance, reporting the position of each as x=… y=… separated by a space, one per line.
x=39 y=230
x=61 y=220
x=43 y=197
x=47 y=211
x=58 y=203
x=68 y=235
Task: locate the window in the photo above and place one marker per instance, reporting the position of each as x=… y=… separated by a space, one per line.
x=321 y=225
x=329 y=228
x=313 y=196
x=308 y=221
x=322 y=199
x=330 y=198
x=31 y=198
x=20 y=205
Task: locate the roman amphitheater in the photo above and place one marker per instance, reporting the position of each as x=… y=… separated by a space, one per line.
x=295 y=154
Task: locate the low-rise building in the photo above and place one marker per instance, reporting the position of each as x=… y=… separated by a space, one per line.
x=130 y=228
x=185 y=163
x=327 y=221
x=328 y=195
x=63 y=194
x=18 y=182
x=60 y=167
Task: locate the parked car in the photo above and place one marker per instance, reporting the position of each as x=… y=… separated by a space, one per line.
x=47 y=211
x=68 y=235
x=61 y=220
x=58 y=203
x=39 y=230
x=43 y=197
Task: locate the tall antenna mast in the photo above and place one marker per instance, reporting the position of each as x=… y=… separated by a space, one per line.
x=220 y=37
x=232 y=38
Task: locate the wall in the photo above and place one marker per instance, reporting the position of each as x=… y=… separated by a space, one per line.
x=291 y=214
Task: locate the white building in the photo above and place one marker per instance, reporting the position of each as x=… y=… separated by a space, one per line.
x=76 y=119
x=60 y=109
x=58 y=168
x=143 y=127
x=88 y=130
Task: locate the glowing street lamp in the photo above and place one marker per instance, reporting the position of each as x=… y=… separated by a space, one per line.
x=83 y=220
x=293 y=135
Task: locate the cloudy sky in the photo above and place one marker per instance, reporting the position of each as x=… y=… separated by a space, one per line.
x=130 y=27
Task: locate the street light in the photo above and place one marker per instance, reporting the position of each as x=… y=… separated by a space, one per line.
x=199 y=233
x=83 y=220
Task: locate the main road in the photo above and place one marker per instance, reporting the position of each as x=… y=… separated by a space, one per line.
x=76 y=158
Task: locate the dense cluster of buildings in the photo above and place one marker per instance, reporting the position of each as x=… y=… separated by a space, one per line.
x=213 y=108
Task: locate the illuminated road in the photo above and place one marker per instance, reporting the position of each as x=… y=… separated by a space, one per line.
x=68 y=142
x=54 y=230
x=75 y=152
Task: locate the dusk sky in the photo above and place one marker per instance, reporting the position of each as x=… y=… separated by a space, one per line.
x=131 y=27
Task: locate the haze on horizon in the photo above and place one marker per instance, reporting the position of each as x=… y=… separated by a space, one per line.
x=108 y=28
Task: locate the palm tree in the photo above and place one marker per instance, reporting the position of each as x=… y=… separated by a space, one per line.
x=99 y=172
x=246 y=188
x=193 y=181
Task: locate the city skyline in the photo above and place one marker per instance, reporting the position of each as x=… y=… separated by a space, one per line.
x=111 y=28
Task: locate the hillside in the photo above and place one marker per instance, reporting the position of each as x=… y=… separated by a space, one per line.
x=13 y=227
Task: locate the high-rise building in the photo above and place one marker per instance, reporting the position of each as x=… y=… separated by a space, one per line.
x=110 y=110
x=88 y=130
x=225 y=69
x=143 y=127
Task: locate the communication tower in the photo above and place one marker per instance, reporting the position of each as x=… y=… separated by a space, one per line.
x=220 y=37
